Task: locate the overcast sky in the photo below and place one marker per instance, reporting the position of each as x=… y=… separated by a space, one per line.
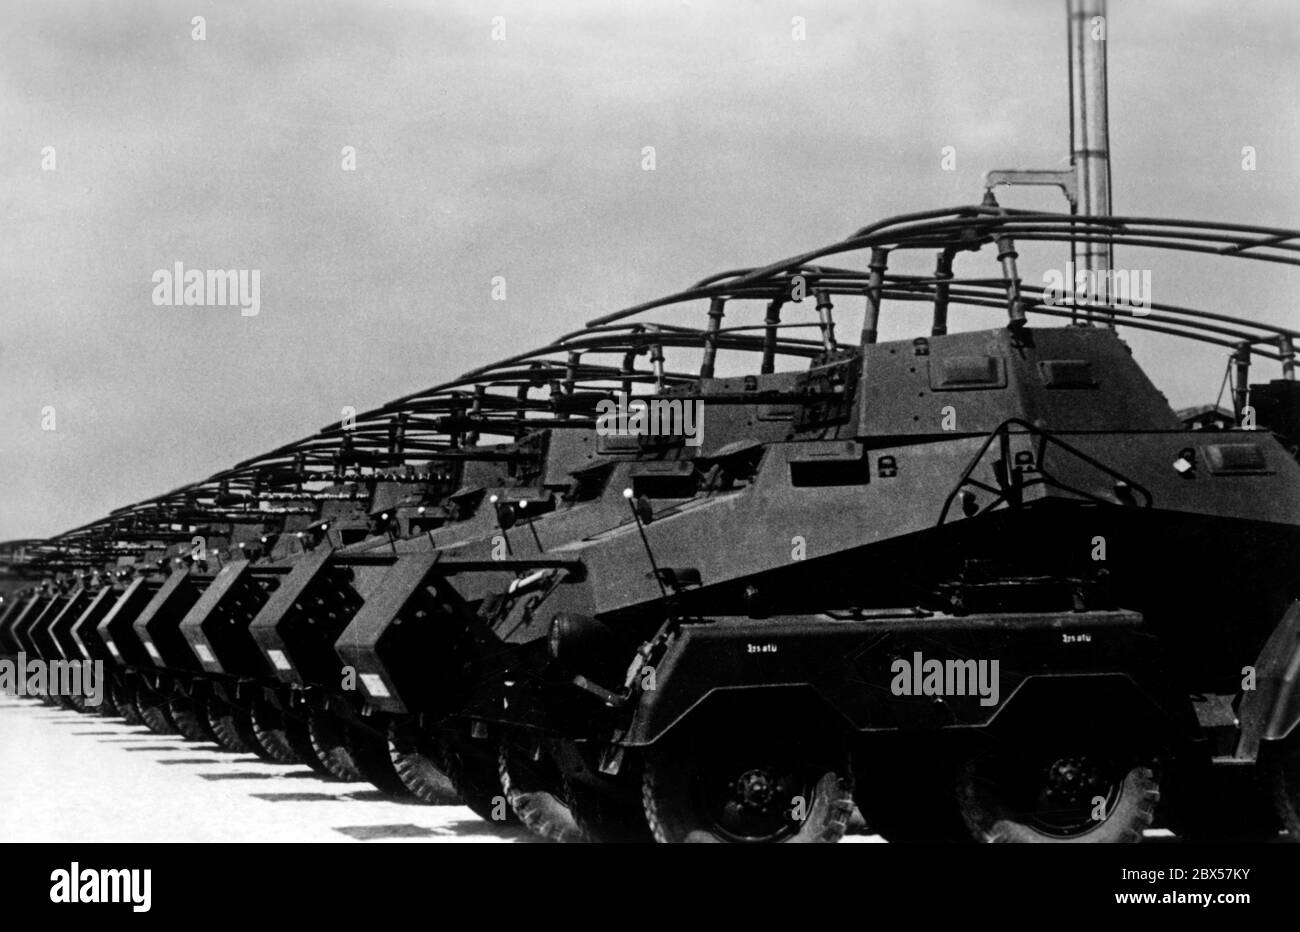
x=522 y=158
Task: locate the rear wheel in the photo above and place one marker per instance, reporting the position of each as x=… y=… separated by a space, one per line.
x=190 y=722
x=233 y=729
x=609 y=814
x=284 y=739
x=1061 y=797
x=471 y=766
x=353 y=754
x=754 y=785
x=534 y=789
x=414 y=758
x=154 y=712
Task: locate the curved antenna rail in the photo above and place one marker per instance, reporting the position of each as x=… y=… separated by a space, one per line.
x=417 y=438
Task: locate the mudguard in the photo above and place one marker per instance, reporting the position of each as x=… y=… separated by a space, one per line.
x=1271 y=711
x=17 y=619
x=865 y=670
x=216 y=627
x=158 y=626
x=116 y=629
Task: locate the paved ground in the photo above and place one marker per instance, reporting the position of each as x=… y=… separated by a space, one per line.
x=78 y=778
x=68 y=777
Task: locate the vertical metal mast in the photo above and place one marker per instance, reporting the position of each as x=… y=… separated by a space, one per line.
x=1087 y=182
x=1090 y=133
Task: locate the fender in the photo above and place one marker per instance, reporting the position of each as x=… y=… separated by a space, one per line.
x=866 y=669
x=1271 y=711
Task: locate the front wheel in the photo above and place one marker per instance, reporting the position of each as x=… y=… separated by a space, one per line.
x=534 y=788
x=415 y=761
x=472 y=767
x=760 y=785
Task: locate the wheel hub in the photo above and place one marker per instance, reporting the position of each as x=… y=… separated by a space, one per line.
x=1074 y=781
x=1062 y=798
x=755 y=801
x=756 y=790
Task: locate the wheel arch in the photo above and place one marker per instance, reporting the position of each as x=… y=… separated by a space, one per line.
x=652 y=720
x=1112 y=701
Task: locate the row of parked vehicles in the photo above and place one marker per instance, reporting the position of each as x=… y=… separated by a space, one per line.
x=971 y=584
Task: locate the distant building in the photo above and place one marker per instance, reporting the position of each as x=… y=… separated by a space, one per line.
x=1207 y=417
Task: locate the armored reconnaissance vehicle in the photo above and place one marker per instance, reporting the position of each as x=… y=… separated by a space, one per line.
x=943 y=550
x=705 y=570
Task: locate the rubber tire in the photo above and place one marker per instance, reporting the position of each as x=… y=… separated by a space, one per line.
x=472 y=770
x=331 y=750
x=108 y=707
x=415 y=763
x=606 y=818
x=668 y=784
x=283 y=737
x=534 y=792
x=189 y=722
x=124 y=705
x=1282 y=770
x=1132 y=814
x=370 y=752
x=154 y=713
x=353 y=755
x=233 y=729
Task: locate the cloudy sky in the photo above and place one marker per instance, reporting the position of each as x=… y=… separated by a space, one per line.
x=522 y=158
